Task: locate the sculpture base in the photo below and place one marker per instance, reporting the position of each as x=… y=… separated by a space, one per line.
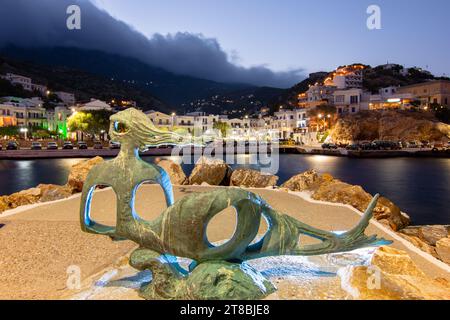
x=212 y=280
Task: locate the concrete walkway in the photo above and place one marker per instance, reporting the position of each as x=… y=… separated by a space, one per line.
x=38 y=243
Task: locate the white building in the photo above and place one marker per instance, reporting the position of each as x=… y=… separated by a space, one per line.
x=24 y=116
x=94 y=105
x=66 y=97
x=389 y=98
x=290 y=124
x=351 y=101
x=25 y=82
x=347 y=77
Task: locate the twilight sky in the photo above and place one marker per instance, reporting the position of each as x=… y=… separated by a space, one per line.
x=261 y=42
x=313 y=35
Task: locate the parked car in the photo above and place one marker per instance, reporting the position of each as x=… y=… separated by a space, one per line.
x=36 y=146
x=385 y=145
x=412 y=144
x=12 y=145
x=114 y=145
x=366 y=145
x=52 y=146
x=438 y=146
x=425 y=144
x=82 y=145
x=353 y=147
x=329 y=146
x=67 y=145
x=98 y=145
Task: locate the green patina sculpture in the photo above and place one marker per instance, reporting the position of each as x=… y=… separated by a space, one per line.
x=216 y=272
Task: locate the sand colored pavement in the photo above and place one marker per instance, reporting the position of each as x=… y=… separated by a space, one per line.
x=38 y=244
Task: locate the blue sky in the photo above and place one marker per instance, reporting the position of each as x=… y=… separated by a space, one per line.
x=314 y=35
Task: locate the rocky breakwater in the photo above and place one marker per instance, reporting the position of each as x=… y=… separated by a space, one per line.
x=326 y=188
x=434 y=240
x=390 y=125
x=50 y=192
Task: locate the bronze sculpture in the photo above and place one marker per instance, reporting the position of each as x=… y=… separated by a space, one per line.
x=216 y=272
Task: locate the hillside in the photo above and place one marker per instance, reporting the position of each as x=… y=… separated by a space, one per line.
x=236 y=103
x=83 y=84
x=389 y=125
x=174 y=89
x=375 y=78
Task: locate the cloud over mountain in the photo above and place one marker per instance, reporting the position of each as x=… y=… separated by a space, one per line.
x=43 y=24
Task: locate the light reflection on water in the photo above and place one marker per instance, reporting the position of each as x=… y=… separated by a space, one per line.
x=420 y=187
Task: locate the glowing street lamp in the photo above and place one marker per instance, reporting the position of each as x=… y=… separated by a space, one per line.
x=24 y=131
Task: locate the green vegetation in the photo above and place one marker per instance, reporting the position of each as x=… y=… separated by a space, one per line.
x=322 y=136
x=91 y=123
x=12 y=131
x=441 y=113
x=223 y=127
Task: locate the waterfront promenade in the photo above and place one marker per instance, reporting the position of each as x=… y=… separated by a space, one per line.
x=27 y=154
x=39 y=242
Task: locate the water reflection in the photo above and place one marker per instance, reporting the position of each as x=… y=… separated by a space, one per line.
x=421 y=187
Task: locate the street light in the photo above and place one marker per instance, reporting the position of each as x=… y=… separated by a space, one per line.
x=24 y=131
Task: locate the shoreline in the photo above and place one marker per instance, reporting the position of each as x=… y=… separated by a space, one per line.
x=27 y=154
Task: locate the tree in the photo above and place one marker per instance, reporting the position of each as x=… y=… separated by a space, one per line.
x=11 y=131
x=223 y=127
x=89 y=122
x=442 y=113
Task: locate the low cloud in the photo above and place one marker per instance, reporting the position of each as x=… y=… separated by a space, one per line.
x=43 y=24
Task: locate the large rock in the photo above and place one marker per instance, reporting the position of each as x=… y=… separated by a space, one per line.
x=303 y=181
x=24 y=197
x=79 y=172
x=428 y=234
x=252 y=179
x=443 y=249
x=389 y=125
x=212 y=171
x=417 y=242
x=392 y=275
x=174 y=170
x=4 y=203
x=52 y=192
x=432 y=234
x=341 y=192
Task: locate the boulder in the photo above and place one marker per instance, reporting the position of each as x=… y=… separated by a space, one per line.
x=79 y=172
x=174 y=170
x=340 y=192
x=212 y=171
x=303 y=181
x=389 y=125
x=432 y=234
x=443 y=249
x=252 y=179
x=392 y=275
x=4 y=204
x=419 y=244
x=51 y=192
x=24 y=197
